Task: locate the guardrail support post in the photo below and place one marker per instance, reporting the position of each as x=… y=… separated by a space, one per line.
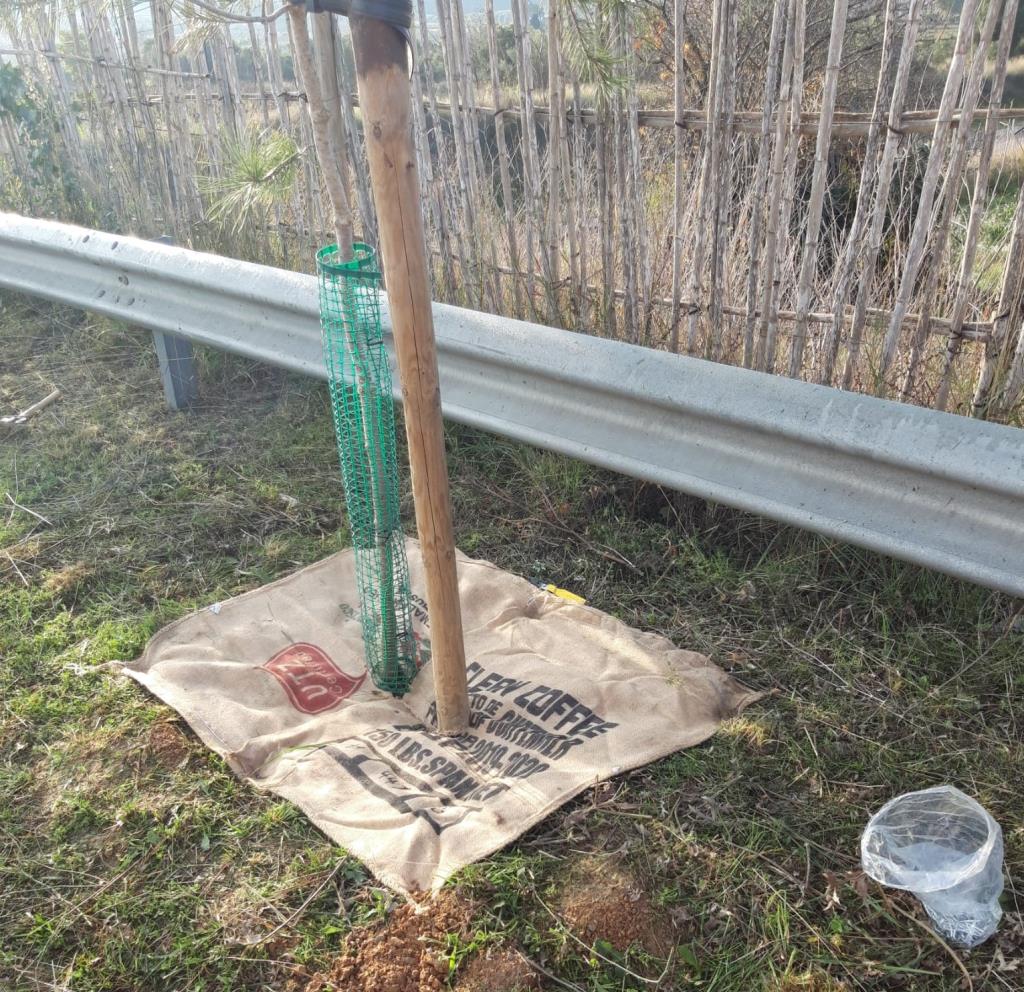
x=176 y=359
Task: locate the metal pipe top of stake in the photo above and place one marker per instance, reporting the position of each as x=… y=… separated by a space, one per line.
x=397 y=13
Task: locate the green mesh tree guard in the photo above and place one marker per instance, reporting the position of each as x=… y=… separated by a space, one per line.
x=364 y=422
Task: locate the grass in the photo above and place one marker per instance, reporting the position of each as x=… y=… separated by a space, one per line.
x=131 y=859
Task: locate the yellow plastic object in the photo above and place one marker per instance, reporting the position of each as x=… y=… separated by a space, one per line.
x=563 y=593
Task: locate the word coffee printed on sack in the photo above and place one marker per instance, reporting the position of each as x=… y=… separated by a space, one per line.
x=472 y=768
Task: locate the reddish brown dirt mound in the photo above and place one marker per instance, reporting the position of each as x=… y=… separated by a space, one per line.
x=167 y=744
x=498 y=970
x=611 y=905
x=404 y=954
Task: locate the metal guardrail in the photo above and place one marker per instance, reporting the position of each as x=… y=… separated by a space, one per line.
x=932 y=488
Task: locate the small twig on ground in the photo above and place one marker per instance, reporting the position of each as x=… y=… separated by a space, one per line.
x=298 y=912
x=547 y=974
x=20 y=419
x=31 y=513
x=593 y=950
x=14 y=565
x=949 y=950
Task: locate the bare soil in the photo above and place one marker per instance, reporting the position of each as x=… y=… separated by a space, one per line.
x=610 y=904
x=405 y=953
x=500 y=969
x=168 y=745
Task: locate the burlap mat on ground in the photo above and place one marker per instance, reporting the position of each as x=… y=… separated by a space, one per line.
x=562 y=696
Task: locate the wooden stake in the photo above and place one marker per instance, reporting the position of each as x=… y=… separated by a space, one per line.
x=382 y=72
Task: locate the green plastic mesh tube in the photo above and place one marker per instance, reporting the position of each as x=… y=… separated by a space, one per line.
x=364 y=423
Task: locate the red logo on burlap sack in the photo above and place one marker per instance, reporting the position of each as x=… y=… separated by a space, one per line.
x=313 y=682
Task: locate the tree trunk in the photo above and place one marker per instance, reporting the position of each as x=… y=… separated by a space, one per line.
x=323 y=139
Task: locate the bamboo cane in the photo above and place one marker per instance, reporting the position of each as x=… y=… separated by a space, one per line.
x=853 y=247
x=809 y=263
x=722 y=170
x=580 y=186
x=978 y=205
x=639 y=243
x=679 y=196
x=504 y=173
x=771 y=94
x=995 y=355
x=257 y=71
x=881 y=197
x=789 y=177
x=463 y=151
x=384 y=93
x=530 y=156
x=556 y=122
x=446 y=212
x=695 y=289
x=571 y=220
x=774 y=204
x=947 y=200
x=1015 y=378
x=606 y=222
x=923 y=218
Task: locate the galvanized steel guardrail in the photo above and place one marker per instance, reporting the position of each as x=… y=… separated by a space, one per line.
x=943 y=491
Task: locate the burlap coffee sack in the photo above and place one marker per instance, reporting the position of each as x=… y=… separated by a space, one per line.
x=562 y=696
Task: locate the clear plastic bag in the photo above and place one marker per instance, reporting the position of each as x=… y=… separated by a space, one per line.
x=943 y=847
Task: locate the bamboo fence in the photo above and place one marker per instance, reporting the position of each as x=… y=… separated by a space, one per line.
x=754 y=209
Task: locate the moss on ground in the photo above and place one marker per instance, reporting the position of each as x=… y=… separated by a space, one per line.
x=131 y=859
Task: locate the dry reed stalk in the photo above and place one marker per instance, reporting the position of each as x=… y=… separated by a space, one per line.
x=1015 y=378
x=181 y=152
x=556 y=123
x=467 y=102
x=947 y=200
x=789 y=177
x=881 y=197
x=606 y=227
x=424 y=84
x=853 y=247
x=274 y=70
x=330 y=94
x=679 y=197
x=722 y=171
x=925 y=210
x=351 y=134
x=468 y=228
x=503 y=158
x=758 y=207
x=996 y=353
x=819 y=177
x=640 y=246
x=774 y=224
x=571 y=219
x=580 y=188
x=705 y=198
x=979 y=205
x=257 y=71
x=530 y=155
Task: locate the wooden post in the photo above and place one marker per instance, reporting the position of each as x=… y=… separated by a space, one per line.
x=382 y=72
